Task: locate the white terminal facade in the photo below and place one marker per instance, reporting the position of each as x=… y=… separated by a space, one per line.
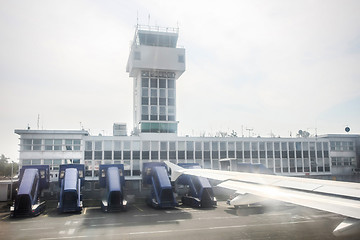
x=155 y=63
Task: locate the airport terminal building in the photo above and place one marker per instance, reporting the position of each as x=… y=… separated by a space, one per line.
x=155 y=63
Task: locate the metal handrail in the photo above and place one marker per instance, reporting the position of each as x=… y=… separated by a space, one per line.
x=157 y=28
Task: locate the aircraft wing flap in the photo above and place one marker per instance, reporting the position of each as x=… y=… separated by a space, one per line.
x=227 y=175
x=345 y=191
x=346 y=207
x=297 y=185
x=327 y=188
x=207 y=174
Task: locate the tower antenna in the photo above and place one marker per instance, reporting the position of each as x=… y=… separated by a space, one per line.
x=137 y=18
x=38 y=122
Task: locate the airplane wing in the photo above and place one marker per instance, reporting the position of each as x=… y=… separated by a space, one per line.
x=333 y=196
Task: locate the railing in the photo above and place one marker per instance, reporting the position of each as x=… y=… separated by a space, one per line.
x=157 y=28
x=155 y=190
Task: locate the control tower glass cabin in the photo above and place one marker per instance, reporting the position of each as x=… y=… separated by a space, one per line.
x=155 y=63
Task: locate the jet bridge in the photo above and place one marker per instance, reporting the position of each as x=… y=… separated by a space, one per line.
x=199 y=192
x=71 y=178
x=33 y=179
x=113 y=180
x=161 y=195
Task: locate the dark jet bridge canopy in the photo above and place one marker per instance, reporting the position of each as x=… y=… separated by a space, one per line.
x=33 y=179
x=200 y=192
x=161 y=195
x=43 y=171
x=112 y=178
x=79 y=173
x=71 y=178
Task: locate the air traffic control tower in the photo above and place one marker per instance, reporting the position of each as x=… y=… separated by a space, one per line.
x=155 y=63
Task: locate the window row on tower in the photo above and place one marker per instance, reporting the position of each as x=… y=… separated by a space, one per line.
x=158 y=96
x=158 y=83
x=154 y=101
x=161 y=93
x=162 y=113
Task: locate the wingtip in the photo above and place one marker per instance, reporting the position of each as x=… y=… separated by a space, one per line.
x=348 y=227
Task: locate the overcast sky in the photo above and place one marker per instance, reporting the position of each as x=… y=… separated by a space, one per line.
x=272 y=66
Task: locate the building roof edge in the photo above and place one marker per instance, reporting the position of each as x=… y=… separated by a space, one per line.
x=31 y=131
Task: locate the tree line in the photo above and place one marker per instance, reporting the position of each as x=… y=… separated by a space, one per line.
x=5 y=167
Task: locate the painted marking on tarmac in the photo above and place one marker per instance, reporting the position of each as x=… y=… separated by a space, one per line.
x=67 y=223
x=91 y=208
x=5 y=217
x=215 y=228
x=71 y=231
x=324 y=215
x=84 y=211
x=170 y=221
x=138 y=208
x=53 y=238
x=214 y=218
x=21 y=222
x=163 y=231
x=106 y=224
x=89 y=218
x=300 y=217
x=184 y=211
x=46 y=213
x=179 y=230
x=278 y=214
x=199 y=219
x=31 y=229
x=147 y=215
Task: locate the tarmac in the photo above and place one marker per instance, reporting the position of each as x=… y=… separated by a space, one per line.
x=273 y=220
x=4 y=206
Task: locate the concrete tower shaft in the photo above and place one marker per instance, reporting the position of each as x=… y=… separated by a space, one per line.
x=155 y=63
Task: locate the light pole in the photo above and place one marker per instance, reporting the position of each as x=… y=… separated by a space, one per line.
x=12 y=169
